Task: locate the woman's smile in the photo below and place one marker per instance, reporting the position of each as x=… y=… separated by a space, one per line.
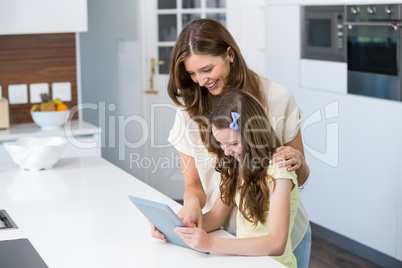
x=213 y=86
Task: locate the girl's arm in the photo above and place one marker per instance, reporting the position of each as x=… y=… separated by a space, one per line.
x=293 y=153
x=272 y=244
x=216 y=217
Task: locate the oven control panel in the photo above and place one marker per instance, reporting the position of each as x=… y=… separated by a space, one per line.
x=390 y=12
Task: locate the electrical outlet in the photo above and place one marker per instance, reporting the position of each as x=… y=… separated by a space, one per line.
x=18 y=94
x=61 y=90
x=36 y=89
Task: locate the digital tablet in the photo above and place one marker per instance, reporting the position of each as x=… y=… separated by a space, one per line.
x=162 y=217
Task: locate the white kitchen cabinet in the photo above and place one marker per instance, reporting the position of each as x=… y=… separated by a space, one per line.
x=324 y=75
x=83 y=138
x=43 y=16
x=360 y=197
x=283 y=44
x=241 y=16
x=399 y=206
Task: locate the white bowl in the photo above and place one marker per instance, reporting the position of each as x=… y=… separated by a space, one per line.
x=50 y=120
x=36 y=153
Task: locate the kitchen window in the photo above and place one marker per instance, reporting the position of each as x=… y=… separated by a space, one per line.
x=173 y=15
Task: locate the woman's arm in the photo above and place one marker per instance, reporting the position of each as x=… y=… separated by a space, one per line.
x=293 y=153
x=194 y=198
x=272 y=244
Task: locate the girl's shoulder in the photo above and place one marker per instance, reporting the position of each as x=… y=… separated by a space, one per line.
x=276 y=172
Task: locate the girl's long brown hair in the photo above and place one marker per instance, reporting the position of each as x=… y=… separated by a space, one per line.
x=206 y=37
x=247 y=176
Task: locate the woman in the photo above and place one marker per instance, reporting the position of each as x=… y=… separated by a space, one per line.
x=206 y=62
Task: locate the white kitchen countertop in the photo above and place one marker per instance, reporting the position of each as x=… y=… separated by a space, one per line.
x=77 y=127
x=78 y=215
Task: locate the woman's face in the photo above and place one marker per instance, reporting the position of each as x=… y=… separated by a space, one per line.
x=229 y=140
x=208 y=71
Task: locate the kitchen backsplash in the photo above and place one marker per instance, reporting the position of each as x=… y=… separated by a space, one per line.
x=33 y=59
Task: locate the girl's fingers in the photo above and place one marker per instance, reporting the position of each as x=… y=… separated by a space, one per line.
x=184 y=230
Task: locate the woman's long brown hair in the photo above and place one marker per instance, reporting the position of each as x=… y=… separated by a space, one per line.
x=248 y=176
x=206 y=37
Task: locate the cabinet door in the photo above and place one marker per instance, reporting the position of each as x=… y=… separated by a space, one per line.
x=43 y=16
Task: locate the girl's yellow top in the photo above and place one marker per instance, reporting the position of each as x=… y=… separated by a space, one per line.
x=246 y=229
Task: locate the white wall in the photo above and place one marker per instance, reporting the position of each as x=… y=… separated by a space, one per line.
x=245 y=21
x=355 y=163
x=111 y=76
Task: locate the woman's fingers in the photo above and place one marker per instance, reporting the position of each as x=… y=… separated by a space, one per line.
x=194 y=217
x=286 y=156
x=293 y=168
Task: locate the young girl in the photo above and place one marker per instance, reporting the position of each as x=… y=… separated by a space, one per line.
x=266 y=195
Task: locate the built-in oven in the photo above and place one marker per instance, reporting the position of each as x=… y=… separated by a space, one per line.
x=323 y=33
x=374 y=50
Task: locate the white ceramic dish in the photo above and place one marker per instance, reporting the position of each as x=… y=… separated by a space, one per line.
x=36 y=154
x=50 y=120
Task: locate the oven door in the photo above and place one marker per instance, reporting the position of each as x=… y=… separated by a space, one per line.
x=373 y=54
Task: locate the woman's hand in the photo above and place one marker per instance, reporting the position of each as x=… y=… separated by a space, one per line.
x=195 y=237
x=194 y=198
x=191 y=216
x=293 y=158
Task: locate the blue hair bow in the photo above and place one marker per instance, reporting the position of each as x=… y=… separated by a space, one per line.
x=234 y=124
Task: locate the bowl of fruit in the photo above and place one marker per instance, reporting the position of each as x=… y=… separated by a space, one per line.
x=49 y=114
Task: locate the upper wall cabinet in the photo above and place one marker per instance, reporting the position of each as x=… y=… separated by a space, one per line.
x=43 y=16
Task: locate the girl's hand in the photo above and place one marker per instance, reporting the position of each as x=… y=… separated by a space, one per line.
x=293 y=158
x=195 y=237
x=190 y=216
x=156 y=234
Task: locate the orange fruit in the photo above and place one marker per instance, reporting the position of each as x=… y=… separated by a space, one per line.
x=61 y=107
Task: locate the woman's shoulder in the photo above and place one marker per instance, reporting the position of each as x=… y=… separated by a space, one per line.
x=274 y=90
x=279 y=98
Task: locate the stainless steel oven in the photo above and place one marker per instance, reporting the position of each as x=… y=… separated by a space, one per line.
x=323 y=33
x=374 y=50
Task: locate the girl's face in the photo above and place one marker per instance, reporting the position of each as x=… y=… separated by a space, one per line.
x=230 y=141
x=209 y=71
